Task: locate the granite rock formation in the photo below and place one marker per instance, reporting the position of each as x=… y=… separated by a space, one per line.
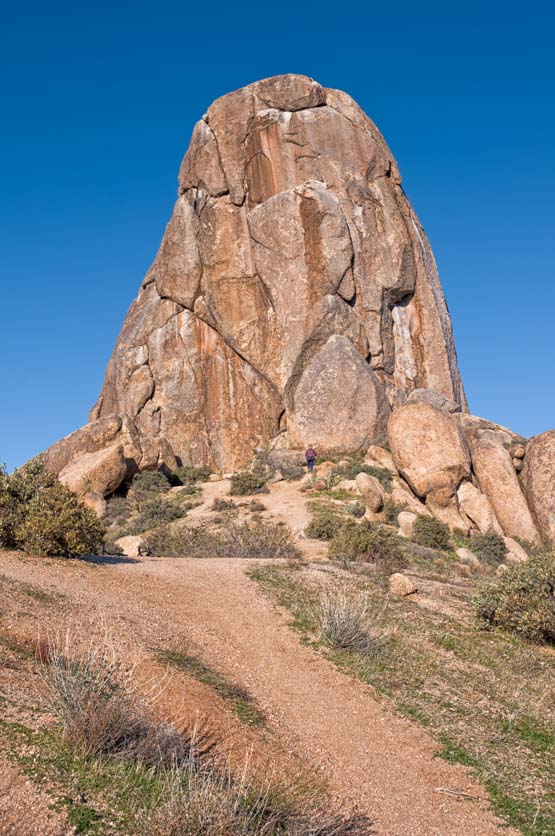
x=294 y=297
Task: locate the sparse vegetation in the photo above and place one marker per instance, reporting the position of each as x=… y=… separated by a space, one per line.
x=355 y=509
x=243 y=704
x=246 y=483
x=255 y=540
x=324 y=524
x=188 y=475
x=484 y=695
x=367 y=542
x=344 y=620
x=427 y=531
x=146 y=484
x=391 y=511
x=489 y=548
x=521 y=600
x=43 y=517
x=154 y=513
x=356 y=466
x=220 y=503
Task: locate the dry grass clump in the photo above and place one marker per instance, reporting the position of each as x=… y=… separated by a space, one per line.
x=220 y=503
x=256 y=539
x=368 y=543
x=344 y=620
x=100 y=714
x=324 y=524
x=208 y=800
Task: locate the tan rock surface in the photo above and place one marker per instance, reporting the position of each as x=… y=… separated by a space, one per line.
x=100 y=472
x=294 y=292
x=515 y=552
x=406 y=520
x=497 y=479
x=402 y=586
x=538 y=481
x=427 y=448
x=371 y=491
x=477 y=508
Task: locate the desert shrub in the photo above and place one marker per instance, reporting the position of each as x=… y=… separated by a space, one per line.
x=256 y=506
x=246 y=483
x=351 y=471
x=291 y=472
x=207 y=798
x=356 y=509
x=99 y=712
x=117 y=512
x=43 y=517
x=146 y=484
x=188 y=475
x=489 y=548
x=391 y=511
x=521 y=600
x=343 y=620
x=260 y=540
x=222 y=504
x=367 y=542
x=154 y=513
x=427 y=531
x=324 y=524
x=257 y=540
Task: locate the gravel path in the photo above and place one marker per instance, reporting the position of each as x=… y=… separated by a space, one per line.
x=372 y=758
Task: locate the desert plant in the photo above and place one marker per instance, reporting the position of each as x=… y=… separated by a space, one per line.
x=146 y=484
x=367 y=542
x=256 y=506
x=101 y=714
x=427 y=531
x=258 y=540
x=154 y=513
x=291 y=472
x=324 y=524
x=344 y=621
x=490 y=548
x=391 y=511
x=521 y=600
x=220 y=503
x=245 y=483
x=355 y=509
x=58 y=524
x=188 y=475
x=117 y=512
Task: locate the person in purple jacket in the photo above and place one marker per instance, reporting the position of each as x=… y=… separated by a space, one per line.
x=310 y=458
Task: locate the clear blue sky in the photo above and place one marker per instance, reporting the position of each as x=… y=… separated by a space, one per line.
x=98 y=104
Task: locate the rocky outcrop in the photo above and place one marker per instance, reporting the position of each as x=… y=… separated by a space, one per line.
x=428 y=449
x=294 y=295
x=538 y=481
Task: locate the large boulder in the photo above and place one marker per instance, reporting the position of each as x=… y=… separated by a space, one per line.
x=497 y=479
x=477 y=508
x=294 y=298
x=427 y=448
x=538 y=481
x=100 y=472
x=371 y=491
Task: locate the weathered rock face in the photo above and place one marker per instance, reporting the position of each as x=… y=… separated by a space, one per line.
x=538 y=481
x=294 y=294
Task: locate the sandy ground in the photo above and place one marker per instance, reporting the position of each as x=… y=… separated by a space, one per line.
x=373 y=759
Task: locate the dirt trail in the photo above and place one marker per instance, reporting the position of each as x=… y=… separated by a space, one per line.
x=372 y=758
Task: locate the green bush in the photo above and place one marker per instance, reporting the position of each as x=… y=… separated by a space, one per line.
x=154 y=513
x=291 y=472
x=117 y=512
x=324 y=524
x=391 y=511
x=355 y=509
x=366 y=542
x=521 y=600
x=246 y=483
x=146 y=484
x=41 y=516
x=489 y=548
x=427 y=531
x=188 y=475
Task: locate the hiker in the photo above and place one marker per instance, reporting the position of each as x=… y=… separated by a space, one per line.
x=310 y=458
